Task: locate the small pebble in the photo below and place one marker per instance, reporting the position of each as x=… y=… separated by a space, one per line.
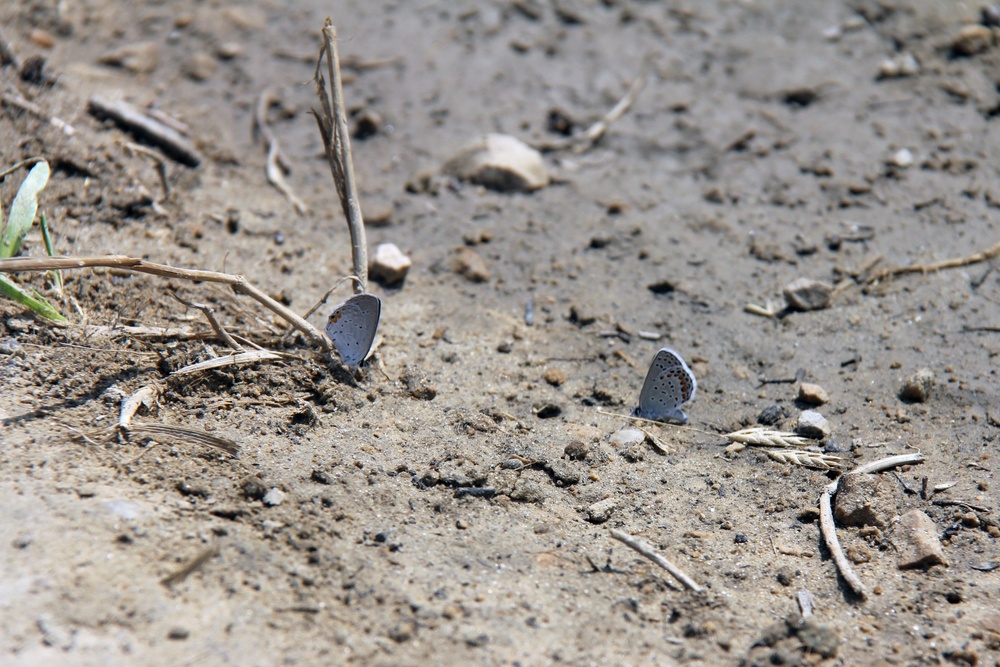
x=555 y=377
x=806 y=294
x=601 y=511
x=468 y=264
x=972 y=39
x=403 y=631
x=138 y=58
x=902 y=158
x=916 y=537
x=229 y=50
x=899 y=66
x=812 y=424
x=576 y=450
x=389 y=265
x=864 y=500
x=274 y=497
x=178 y=633
x=770 y=416
x=200 y=66
x=812 y=394
x=918 y=387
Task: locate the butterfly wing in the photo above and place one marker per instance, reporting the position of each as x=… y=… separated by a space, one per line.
x=669 y=384
x=352 y=327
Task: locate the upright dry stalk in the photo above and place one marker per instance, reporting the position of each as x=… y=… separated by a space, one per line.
x=337 y=140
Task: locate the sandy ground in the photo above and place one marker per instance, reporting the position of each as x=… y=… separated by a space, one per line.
x=766 y=147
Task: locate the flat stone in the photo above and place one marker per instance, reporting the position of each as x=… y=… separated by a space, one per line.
x=808 y=294
x=917 y=388
x=916 y=536
x=499 y=162
x=812 y=424
x=972 y=39
x=627 y=437
x=813 y=394
x=864 y=500
x=389 y=265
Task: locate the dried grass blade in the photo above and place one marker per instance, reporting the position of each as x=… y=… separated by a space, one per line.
x=184 y=435
x=231 y=360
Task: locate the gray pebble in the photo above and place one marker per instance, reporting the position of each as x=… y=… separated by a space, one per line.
x=274 y=497
x=812 y=424
x=807 y=294
x=601 y=511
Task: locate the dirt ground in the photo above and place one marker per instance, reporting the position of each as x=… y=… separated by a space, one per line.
x=456 y=508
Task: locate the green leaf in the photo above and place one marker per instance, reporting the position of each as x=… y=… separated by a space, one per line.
x=22 y=211
x=37 y=303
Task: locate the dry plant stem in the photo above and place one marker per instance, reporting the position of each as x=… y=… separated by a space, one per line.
x=878 y=466
x=338 y=152
x=23 y=163
x=974 y=258
x=21 y=103
x=649 y=552
x=230 y=360
x=213 y=321
x=189 y=567
x=165 y=432
x=829 y=530
x=142 y=125
x=238 y=283
x=584 y=141
x=161 y=165
x=277 y=164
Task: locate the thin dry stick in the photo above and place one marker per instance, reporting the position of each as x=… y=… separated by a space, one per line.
x=974 y=258
x=161 y=165
x=829 y=529
x=145 y=127
x=189 y=567
x=213 y=321
x=649 y=552
x=238 y=283
x=337 y=140
x=16 y=100
x=277 y=164
x=230 y=360
x=583 y=141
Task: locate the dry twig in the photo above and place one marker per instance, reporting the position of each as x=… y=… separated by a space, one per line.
x=213 y=321
x=161 y=165
x=238 y=283
x=649 y=552
x=231 y=360
x=974 y=258
x=185 y=570
x=145 y=127
x=277 y=164
x=17 y=100
x=829 y=529
x=585 y=140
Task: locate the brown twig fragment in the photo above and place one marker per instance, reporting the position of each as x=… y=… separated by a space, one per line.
x=277 y=164
x=649 y=552
x=829 y=529
x=213 y=321
x=337 y=141
x=185 y=570
x=145 y=127
x=974 y=258
x=238 y=283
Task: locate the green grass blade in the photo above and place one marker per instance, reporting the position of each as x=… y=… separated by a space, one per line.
x=36 y=303
x=22 y=211
x=47 y=237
